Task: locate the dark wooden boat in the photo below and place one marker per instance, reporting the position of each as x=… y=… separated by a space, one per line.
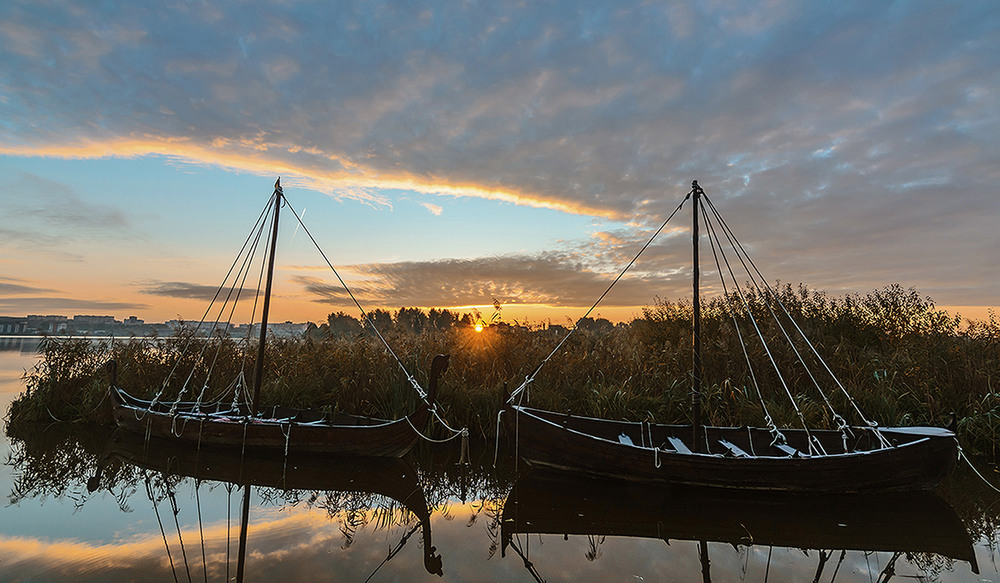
x=734 y=457
x=275 y=428
x=904 y=522
x=241 y=424
x=847 y=459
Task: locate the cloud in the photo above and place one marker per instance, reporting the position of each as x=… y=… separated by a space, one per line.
x=433 y=208
x=49 y=217
x=575 y=277
x=51 y=304
x=586 y=108
x=11 y=286
x=193 y=291
x=826 y=128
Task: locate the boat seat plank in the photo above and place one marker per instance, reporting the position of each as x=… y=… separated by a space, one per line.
x=789 y=450
x=733 y=448
x=678 y=445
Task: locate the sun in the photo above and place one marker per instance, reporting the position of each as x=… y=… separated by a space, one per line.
x=479 y=327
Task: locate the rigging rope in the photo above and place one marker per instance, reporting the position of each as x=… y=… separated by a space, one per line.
x=760 y=334
x=261 y=219
x=531 y=377
x=163 y=533
x=842 y=425
x=741 y=252
x=776 y=434
x=245 y=271
x=180 y=538
x=364 y=313
x=371 y=324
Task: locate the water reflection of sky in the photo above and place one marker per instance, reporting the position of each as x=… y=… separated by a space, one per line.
x=299 y=544
x=55 y=539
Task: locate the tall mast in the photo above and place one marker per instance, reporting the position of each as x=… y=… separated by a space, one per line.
x=696 y=193
x=259 y=377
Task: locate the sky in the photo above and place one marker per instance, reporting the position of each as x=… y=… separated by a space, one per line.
x=449 y=154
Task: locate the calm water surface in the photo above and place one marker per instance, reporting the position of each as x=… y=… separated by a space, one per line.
x=372 y=523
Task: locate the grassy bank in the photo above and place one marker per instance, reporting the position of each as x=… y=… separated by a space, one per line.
x=903 y=361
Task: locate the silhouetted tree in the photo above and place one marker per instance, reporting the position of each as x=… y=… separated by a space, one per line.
x=341 y=324
x=381 y=319
x=411 y=320
x=442 y=319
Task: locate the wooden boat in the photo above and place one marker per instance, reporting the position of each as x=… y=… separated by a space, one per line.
x=389 y=477
x=276 y=428
x=855 y=458
x=240 y=424
x=897 y=522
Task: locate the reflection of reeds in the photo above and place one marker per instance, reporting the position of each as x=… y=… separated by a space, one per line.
x=903 y=361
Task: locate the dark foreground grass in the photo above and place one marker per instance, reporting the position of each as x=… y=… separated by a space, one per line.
x=903 y=361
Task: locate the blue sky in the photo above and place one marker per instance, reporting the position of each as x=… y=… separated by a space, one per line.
x=446 y=154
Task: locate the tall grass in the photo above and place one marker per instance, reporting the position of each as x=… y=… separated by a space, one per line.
x=903 y=361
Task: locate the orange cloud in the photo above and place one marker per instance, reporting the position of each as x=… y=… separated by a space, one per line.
x=258 y=156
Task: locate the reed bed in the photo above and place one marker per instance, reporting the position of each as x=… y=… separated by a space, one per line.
x=903 y=361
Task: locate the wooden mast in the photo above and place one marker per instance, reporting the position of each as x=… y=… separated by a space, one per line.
x=696 y=193
x=259 y=377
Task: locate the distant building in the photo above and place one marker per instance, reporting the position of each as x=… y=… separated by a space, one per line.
x=46 y=324
x=94 y=321
x=286 y=329
x=10 y=325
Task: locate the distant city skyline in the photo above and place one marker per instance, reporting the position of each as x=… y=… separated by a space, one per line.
x=451 y=155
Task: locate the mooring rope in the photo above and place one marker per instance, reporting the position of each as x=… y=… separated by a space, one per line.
x=461 y=433
x=963 y=457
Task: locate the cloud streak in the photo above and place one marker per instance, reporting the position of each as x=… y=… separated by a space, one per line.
x=194 y=291
x=52 y=304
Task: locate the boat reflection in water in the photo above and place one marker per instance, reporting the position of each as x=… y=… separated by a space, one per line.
x=902 y=523
x=391 y=478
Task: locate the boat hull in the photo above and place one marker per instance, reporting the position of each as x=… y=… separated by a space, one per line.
x=918 y=460
x=357 y=436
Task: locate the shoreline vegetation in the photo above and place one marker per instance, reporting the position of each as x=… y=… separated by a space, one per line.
x=902 y=360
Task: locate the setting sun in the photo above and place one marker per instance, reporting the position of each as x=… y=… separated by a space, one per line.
x=479 y=327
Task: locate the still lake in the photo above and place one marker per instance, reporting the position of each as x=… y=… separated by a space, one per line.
x=315 y=520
